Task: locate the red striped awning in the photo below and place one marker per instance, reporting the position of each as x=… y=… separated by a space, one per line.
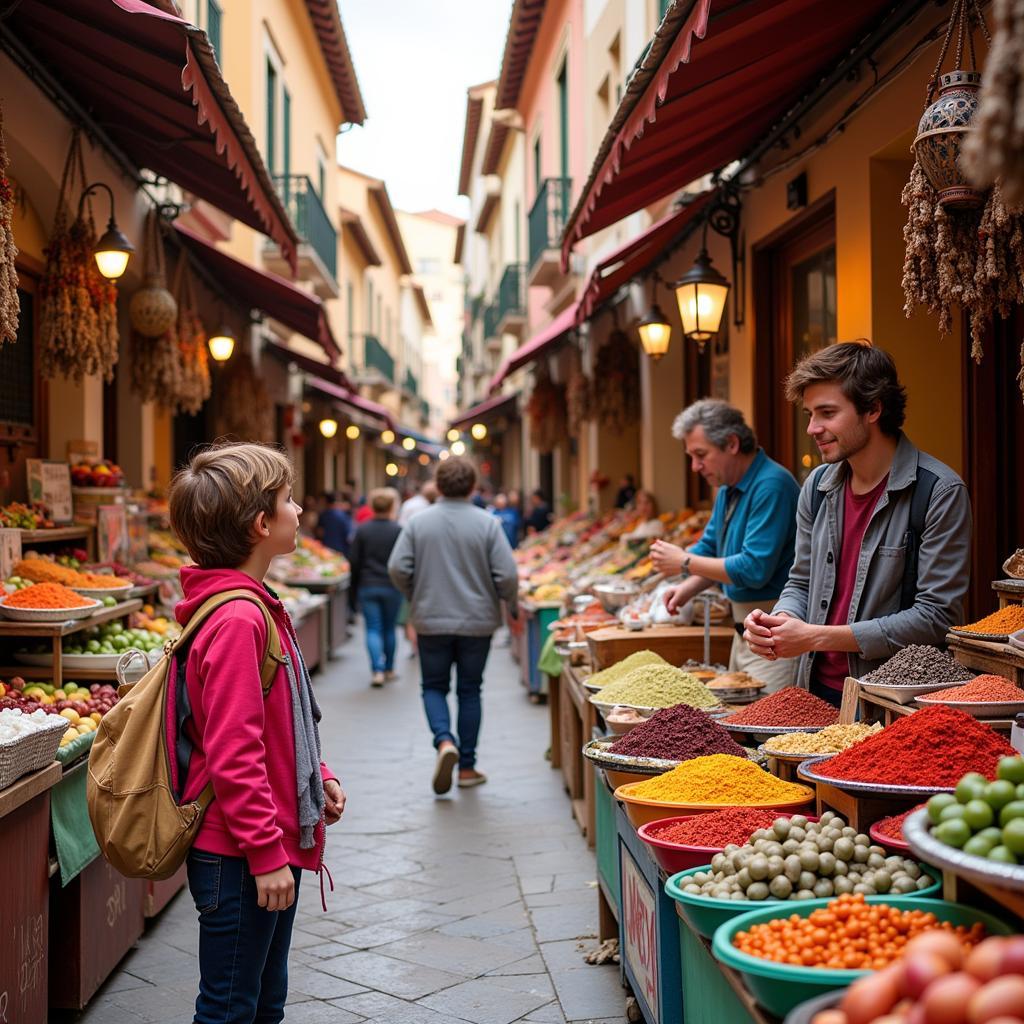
x=489 y=408
x=301 y=311
x=150 y=80
x=537 y=346
x=718 y=76
x=350 y=398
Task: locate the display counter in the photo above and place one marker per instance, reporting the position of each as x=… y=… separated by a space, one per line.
x=676 y=644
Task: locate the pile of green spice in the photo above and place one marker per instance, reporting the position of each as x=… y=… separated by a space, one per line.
x=613 y=673
x=657 y=686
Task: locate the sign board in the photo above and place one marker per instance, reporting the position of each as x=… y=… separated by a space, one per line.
x=83 y=452
x=640 y=931
x=10 y=552
x=49 y=484
x=111 y=533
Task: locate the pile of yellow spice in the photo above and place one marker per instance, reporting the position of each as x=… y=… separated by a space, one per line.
x=719 y=779
x=831 y=740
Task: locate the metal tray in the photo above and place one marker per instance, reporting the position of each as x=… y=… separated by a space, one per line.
x=809 y=773
x=905 y=694
x=989 y=638
x=596 y=752
x=978 y=708
x=967 y=865
x=49 y=614
x=760 y=731
x=785 y=755
x=121 y=593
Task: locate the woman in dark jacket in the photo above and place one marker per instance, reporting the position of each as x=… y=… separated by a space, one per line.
x=371 y=585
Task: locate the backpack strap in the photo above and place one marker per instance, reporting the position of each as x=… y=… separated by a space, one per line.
x=817 y=497
x=920 y=498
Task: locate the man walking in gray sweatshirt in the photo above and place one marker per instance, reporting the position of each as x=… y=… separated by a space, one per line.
x=454 y=564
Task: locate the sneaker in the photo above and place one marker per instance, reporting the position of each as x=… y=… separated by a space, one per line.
x=390 y=675
x=377 y=679
x=447 y=759
x=471 y=778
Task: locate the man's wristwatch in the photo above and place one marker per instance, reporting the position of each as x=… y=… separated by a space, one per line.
x=686 y=565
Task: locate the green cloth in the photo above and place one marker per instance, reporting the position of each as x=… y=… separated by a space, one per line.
x=550 y=662
x=72 y=830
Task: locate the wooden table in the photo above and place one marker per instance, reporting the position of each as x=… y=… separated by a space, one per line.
x=30 y=538
x=982 y=656
x=1009 y=591
x=880 y=709
x=676 y=644
x=577 y=719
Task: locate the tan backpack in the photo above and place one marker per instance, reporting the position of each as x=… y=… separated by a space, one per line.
x=141 y=826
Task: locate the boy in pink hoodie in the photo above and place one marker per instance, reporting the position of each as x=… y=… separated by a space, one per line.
x=232 y=508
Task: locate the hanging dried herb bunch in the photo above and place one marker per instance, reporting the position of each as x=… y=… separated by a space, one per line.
x=546 y=410
x=617 y=382
x=10 y=305
x=78 y=306
x=194 y=381
x=244 y=407
x=578 y=396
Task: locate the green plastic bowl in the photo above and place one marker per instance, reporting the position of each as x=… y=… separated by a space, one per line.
x=707 y=914
x=780 y=987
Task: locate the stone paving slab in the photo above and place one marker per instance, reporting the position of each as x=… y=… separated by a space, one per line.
x=471 y=908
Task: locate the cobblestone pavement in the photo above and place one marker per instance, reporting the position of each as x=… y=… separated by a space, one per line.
x=473 y=907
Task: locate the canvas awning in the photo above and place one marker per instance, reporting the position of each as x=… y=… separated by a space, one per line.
x=151 y=82
x=537 y=346
x=489 y=408
x=354 y=401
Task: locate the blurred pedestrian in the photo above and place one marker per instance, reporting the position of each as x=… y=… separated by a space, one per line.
x=455 y=565
x=627 y=491
x=424 y=497
x=508 y=517
x=376 y=595
x=539 y=517
x=334 y=527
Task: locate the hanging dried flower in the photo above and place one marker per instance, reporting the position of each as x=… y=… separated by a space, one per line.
x=578 y=397
x=245 y=410
x=546 y=412
x=10 y=305
x=617 y=382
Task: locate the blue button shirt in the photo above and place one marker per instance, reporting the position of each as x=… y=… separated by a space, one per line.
x=758 y=543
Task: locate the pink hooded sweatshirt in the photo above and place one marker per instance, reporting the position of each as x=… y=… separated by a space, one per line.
x=244 y=743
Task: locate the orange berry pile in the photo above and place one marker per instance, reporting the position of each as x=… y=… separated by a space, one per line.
x=848 y=934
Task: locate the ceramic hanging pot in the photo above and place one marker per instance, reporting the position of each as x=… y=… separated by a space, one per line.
x=939 y=135
x=153 y=309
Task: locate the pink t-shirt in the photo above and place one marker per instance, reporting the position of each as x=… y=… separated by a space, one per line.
x=832 y=667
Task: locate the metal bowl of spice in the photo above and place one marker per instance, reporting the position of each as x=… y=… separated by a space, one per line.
x=987 y=696
x=913 y=670
x=815 y=769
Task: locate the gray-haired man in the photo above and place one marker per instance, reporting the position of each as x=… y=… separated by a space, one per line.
x=748 y=543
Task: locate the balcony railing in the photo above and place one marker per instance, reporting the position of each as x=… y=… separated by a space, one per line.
x=424 y=411
x=548 y=216
x=307 y=213
x=512 y=291
x=412 y=385
x=377 y=357
x=492 y=314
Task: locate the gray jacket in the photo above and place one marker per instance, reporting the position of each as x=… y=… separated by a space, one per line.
x=455 y=565
x=879 y=626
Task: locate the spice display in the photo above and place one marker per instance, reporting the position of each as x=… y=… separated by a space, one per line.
x=718 y=779
x=848 y=934
x=916 y=665
x=831 y=740
x=988 y=687
x=793 y=858
x=657 y=686
x=981 y=817
x=716 y=829
x=786 y=707
x=1006 y=620
x=892 y=827
x=931 y=747
x=46 y=595
x=677 y=734
x=42 y=570
x=10 y=304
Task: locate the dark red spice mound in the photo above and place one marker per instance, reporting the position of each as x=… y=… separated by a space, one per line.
x=678 y=734
x=717 y=828
x=789 y=706
x=932 y=747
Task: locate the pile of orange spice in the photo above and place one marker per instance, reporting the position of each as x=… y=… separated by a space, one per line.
x=46 y=595
x=42 y=570
x=848 y=934
x=1006 y=620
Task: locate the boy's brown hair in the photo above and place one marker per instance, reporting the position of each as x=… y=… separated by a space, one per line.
x=216 y=498
x=456 y=478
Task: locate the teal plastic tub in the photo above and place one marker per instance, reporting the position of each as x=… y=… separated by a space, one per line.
x=781 y=987
x=707 y=914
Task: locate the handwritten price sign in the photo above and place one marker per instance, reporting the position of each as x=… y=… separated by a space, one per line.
x=640 y=925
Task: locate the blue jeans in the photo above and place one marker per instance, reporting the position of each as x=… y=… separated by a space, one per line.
x=380 y=612
x=243 y=949
x=469 y=656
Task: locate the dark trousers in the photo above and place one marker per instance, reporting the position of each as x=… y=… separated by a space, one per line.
x=243 y=949
x=469 y=656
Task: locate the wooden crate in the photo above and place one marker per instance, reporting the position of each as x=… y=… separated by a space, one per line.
x=24 y=841
x=676 y=644
x=1002 y=659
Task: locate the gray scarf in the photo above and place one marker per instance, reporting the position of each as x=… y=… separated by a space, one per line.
x=305 y=716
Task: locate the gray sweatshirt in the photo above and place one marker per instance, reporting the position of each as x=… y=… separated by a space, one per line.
x=455 y=565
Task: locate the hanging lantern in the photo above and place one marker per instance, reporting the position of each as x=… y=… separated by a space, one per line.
x=222 y=344
x=655 y=333
x=387 y=437
x=328 y=427
x=478 y=431
x=943 y=127
x=352 y=432
x=701 y=293
x=408 y=443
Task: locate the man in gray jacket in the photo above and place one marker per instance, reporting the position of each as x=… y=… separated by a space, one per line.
x=453 y=562
x=883 y=530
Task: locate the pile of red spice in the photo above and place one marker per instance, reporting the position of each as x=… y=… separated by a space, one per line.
x=678 y=733
x=790 y=706
x=892 y=827
x=981 y=688
x=932 y=747
x=717 y=829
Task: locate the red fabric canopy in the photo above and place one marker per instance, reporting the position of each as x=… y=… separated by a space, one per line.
x=150 y=80
x=731 y=71
x=488 y=407
x=536 y=346
x=258 y=289
x=312 y=366
x=635 y=256
x=350 y=398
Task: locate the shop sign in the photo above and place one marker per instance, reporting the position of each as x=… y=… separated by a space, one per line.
x=111 y=532
x=640 y=927
x=49 y=484
x=10 y=552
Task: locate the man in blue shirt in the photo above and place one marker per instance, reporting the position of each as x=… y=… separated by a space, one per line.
x=334 y=527
x=748 y=543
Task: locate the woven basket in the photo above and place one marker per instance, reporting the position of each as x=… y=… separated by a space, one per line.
x=30 y=752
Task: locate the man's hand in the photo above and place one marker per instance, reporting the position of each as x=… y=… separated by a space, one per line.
x=276 y=889
x=667 y=558
x=675 y=598
x=335 y=797
x=758 y=632
x=792 y=637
